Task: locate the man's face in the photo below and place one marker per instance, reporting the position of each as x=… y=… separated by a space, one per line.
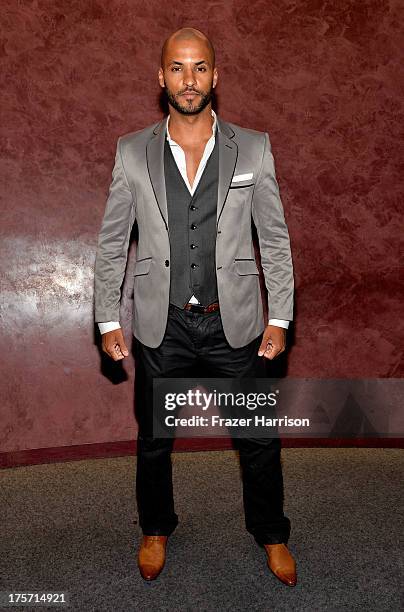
x=188 y=76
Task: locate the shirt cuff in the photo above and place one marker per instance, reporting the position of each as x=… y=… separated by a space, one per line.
x=108 y=326
x=279 y=323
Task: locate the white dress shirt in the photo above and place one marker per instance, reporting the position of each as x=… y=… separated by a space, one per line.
x=180 y=160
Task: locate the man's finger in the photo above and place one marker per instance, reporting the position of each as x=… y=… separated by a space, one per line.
x=118 y=353
x=273 y=351
x=114 y=345
x=270 y=352
x=123 y=348
x=112 y=352
x=264 y=346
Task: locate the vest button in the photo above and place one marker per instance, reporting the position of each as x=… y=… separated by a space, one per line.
x=193 y=226
x=167 y=263
x=192 y=207
x=193 y=246
x=193 y=265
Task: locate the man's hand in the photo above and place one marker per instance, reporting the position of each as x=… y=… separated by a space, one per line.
x=273 y=341
x=114 y=345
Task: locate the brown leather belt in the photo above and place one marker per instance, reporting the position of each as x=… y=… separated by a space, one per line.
x=202 y=309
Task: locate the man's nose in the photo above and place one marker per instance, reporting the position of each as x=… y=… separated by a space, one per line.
x=189 y=77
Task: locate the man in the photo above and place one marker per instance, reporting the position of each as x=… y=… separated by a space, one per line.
x=194 y=183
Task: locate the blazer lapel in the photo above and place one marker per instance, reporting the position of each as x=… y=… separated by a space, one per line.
x=155 y=166
x=228 y=151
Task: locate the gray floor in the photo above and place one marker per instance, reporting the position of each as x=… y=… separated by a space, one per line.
x=72 y=527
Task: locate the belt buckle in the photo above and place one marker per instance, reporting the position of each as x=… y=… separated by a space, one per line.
x=197 y=308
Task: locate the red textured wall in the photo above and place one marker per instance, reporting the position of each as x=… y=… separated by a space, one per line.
x=323 y=78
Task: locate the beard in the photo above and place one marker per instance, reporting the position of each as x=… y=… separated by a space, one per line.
x=190 y=107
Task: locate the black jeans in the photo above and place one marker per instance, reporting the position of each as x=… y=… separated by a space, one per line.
x=193 y=340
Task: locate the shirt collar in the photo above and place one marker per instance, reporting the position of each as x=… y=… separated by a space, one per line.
x=171 y=141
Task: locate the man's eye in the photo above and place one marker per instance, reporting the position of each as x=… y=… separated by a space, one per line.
x=202 y=68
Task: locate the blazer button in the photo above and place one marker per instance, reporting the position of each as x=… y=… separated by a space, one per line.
x=167 y=263
x=193 y=226
x=193 y=265
x=193 y=246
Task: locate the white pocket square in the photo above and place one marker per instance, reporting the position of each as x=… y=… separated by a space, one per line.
x=242 y=177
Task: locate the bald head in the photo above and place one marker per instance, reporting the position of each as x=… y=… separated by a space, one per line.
x=187 y=35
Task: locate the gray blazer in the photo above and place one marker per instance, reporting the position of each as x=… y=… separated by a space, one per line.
x=247 y=190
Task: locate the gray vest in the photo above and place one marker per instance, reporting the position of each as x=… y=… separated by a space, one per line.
x=192 y=226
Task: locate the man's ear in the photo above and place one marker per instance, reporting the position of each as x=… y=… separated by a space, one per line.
x=161 y=77
x=215 y=77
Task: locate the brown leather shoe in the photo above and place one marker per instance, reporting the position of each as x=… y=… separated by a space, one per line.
x=152 y=556
x=281 y=563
